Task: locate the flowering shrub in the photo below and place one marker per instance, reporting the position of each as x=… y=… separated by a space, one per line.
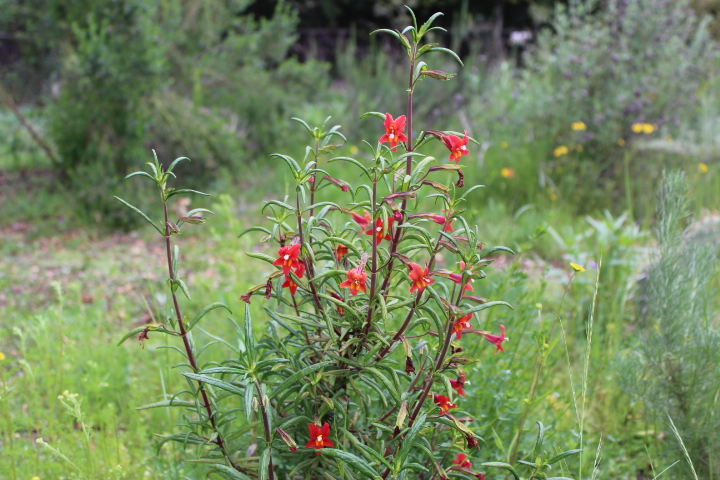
x=368 y=303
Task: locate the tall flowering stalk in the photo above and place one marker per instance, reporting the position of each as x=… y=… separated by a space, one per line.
x=362 y=330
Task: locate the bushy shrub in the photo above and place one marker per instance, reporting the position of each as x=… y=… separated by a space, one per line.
x=610 y=65
x=672 y=367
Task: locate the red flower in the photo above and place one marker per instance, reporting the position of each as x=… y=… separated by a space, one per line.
x=457 y=146
x=380 y=233
x=288 y=257
x=356 y=282
x=362 y=221
x=319 y=437
x=457 y=278
x=495 y=339
x=459 y=384
x=420 y=278
x=394 y=131
x=290 y=283
x=442 y=221
x=480 y=476
x=462 y=461
x=460 y=325
x=341 y=251
x=444 y=403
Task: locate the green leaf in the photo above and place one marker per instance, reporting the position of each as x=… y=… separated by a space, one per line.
x=230 y=472
x=144 y=174
x=294 y=378
x=428 y=23
x=290 y=161
x=304 y=124
x=132 y=332
x=540 y=438
x=388 y=384
x=255 y=229
x=145 y=217
x=216 y=382
x=186 y=191
x=179 y=282
x=175 y=162
x=204 y=312
x=358 y=463
x=487 y=252
x=248 y=398
x=198 y=210
x=261 y=256
x=279 y=204
x=264 y=463
x=478 y=308
x=249 y=338
x=446 y=50
x=167 y=403
x=504 y=465
x=367 y=451
x=562 y=455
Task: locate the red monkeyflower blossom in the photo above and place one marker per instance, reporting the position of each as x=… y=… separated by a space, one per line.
x=420 y=278
x=356 y=282
x=461 y=324
x=495 y=339
x=364 y=222
x=457 y=146
x=290 y=283
x=444 y=403
x=394 y=131
x=319 y=437
x=288 y=257
x=480 y=476
x=341 y=251
x=462 y=461
x=442 y=221
x=457 y=278
x=459 y=384
x=381 y=233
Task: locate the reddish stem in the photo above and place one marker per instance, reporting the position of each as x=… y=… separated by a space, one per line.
x=188 y=348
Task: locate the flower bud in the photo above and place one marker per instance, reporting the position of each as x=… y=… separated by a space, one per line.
x=472 y=441
x=287 y=439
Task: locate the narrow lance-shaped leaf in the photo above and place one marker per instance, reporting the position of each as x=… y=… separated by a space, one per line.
x=145 y=217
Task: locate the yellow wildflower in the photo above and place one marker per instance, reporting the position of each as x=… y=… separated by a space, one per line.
x=354 y=150
x=578 y=126
x=577 y=267
x=637 y=127
x=507 y=172
x=621 y=142
x=504 y=144
x=702 y=166
x=647 y=128
x=561 y=150
x=35 y=478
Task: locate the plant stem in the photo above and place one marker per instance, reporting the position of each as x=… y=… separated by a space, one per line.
x=374 y=268
x=186 y=342
x=266 y=425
